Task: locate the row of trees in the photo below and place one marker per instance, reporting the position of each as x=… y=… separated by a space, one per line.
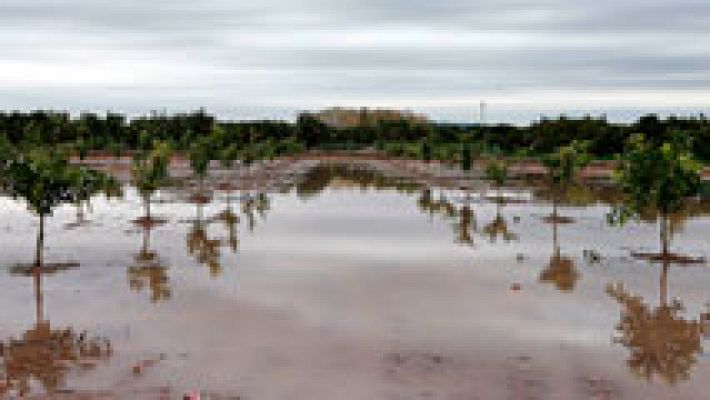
x=656 y=179
x=115 y=133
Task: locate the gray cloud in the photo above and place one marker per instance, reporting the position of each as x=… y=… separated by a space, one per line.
x=278 y=56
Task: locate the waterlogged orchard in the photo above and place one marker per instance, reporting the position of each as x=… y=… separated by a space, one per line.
x=268 y=268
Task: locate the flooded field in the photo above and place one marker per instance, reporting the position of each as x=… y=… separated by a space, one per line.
x=336 y=281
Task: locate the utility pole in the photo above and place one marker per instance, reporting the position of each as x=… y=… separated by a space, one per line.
x=482 y=113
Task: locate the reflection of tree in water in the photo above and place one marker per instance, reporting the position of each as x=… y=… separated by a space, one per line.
x=81 y=220
x=560 y=271
x=205 y=250
x=325 y=175
x=42 y=355
x=498 y=227
x=230 y=221
x=262 y=204
x=465 y=226
x=661 y=342
x=464 y=219
x=45 y=355
x=149 y=271
x=255 y=204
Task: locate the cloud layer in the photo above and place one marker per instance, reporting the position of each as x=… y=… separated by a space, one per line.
x=272 y=57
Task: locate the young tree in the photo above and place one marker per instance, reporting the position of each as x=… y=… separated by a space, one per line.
x=150 y=172
x=86 y=185
x=562 y=169
x=45 y=179
x=200 y=154
x=497 y=173
x=656 y=178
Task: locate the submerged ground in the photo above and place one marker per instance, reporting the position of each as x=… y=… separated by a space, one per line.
x=342 y=284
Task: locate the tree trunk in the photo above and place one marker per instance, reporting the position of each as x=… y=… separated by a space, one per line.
x=555 y=243
x=37 y=271
x=40 y=242
x=146 y=202
x=554 y=207
x=664 y=236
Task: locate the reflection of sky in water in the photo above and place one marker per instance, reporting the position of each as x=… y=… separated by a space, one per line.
x=369 y=264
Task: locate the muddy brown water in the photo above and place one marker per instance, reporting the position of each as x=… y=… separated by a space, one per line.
x=349 y=293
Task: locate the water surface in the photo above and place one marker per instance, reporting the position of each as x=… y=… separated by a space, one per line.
x=350 y=286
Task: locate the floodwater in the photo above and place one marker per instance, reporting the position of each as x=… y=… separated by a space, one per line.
x=335 y=289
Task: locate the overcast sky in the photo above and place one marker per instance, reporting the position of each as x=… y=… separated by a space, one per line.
x=268 y=58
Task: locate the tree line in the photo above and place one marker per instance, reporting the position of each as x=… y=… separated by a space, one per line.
x=117 y=134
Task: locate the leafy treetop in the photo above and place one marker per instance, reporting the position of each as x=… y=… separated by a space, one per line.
x=656 y=177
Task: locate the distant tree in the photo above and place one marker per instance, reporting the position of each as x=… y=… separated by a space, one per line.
x=228 y=155
x=657 y=179
x=466 y=157
x=426 y=150
x=310 y=130
x=150 y=172
x=497 y=172
x=200 y=154
x=562 y=169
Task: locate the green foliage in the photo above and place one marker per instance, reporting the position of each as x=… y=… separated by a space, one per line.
x=497 y=172
x=150 y=169
x=200 y=154
x=89 y=131
x=289 y=146
x=655 y=177
x=45 y=179
x=466 y=157
x=426 y=150
x=82 y=147
x=115 y=149
x=564 y=164
x=7 y=155
x=6 y=149
x=228 y=155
